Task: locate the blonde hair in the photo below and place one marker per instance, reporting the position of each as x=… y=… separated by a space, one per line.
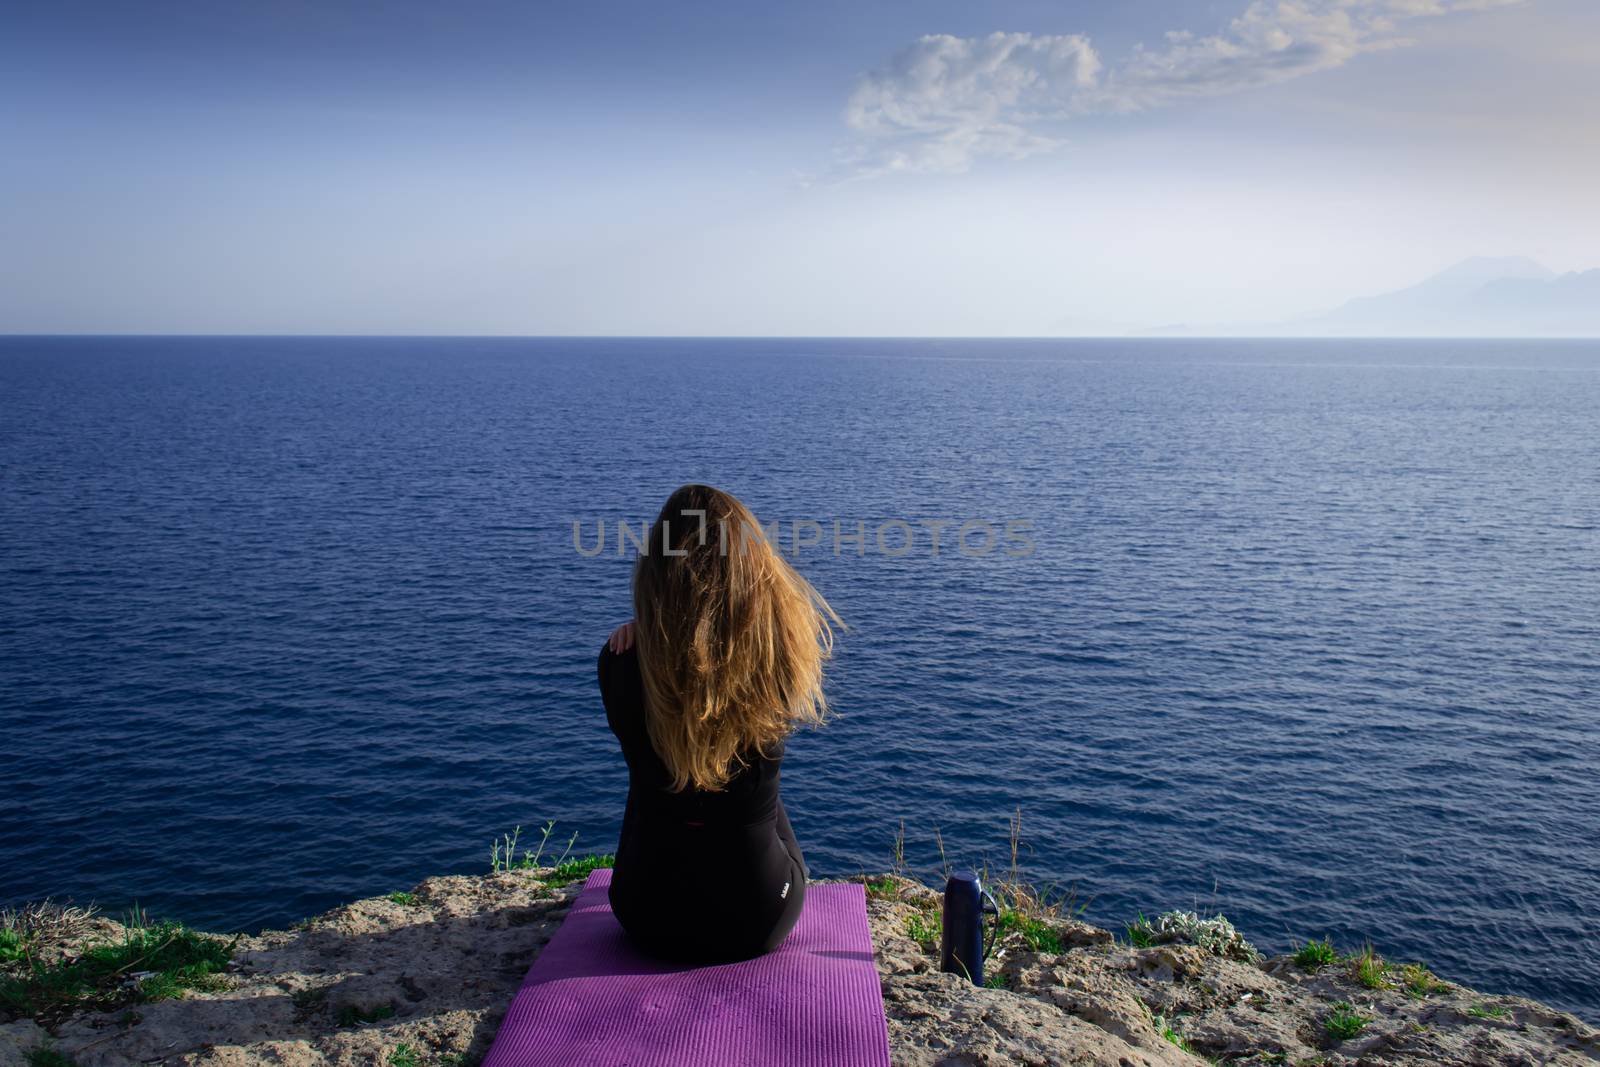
x=731 y=639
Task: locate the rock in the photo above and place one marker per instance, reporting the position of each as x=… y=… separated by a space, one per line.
x=352 y=986
x=942 y=1019
x=19 y=1038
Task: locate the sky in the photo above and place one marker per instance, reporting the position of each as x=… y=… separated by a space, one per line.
x=828 y=169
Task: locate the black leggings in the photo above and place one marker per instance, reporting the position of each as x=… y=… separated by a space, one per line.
x=690 y=904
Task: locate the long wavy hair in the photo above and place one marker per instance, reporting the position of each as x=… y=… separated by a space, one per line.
x=731 y=639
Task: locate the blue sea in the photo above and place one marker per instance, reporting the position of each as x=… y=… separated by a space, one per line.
x=1302 y=632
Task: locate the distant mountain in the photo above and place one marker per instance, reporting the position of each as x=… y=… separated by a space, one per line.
x=1489 y=297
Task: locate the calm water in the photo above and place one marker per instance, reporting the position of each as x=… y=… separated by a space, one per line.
x=1308 y=633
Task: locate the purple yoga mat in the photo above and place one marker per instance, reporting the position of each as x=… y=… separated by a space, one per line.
x=592 y=999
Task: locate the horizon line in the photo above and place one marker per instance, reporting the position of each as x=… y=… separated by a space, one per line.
x=1156 y=337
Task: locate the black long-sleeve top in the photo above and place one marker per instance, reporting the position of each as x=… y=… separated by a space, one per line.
x=699 y=876
x=750 y=798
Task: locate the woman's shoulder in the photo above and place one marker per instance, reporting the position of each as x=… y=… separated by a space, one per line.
x=612 y=661
x=771 y=752
x=618 y=673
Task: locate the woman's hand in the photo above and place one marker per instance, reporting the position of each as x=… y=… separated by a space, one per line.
x=621 y=638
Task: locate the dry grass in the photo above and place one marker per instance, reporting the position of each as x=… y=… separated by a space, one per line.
x=1015 y=893
x=46 y=921
x=1010 y=889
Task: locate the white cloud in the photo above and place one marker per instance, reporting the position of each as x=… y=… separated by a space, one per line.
x=945 y=101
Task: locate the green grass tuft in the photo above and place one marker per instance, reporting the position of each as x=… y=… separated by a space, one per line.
x=883 y=889
x=570 y=871
x=169 y=985
x=1315 y=955
x=1177 y=1039
x=1488 y=1011
x=922 y=931
x=1172 y=1036
x=1417 y=981
x=405 y=899
x=12 y=946
x=1140 y=933
x=150 y=963
x=1368 y=968
x=1038 y=934
x=405 y=1056
x=1344 y=1022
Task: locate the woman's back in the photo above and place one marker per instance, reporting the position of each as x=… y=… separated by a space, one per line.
x=751 y=796
x=701 y=876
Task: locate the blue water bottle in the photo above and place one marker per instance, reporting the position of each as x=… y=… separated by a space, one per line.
x=961 y=944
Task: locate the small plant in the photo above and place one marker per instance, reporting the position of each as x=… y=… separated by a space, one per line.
x=47 y=1057
x=503 y=857
x=1014 y=839
x=1172 y=1036
x=1418 y=981
x=404 y=899
x=567 y=872
x=564 y=853
x=45 y=920
x=169 y=986
x=1038 y=934
x=1140 y=933
x=405 y=1056
x=883 y=889
x=1216 y=935
x=350 y=1015
x=1487 y=1011
x=1368 y=968
x=12 y=946
x=1315 y=955
x=1344 y=1022
x=994 y=981
x=503 y=853
x=944 y=863
x=900 y=849
x=1011 y=891
x=533 y=860
x=922 y=931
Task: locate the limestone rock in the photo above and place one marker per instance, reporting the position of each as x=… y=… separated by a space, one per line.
x=436 y=975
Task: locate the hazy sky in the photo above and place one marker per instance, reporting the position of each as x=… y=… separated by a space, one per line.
x=932 y=167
